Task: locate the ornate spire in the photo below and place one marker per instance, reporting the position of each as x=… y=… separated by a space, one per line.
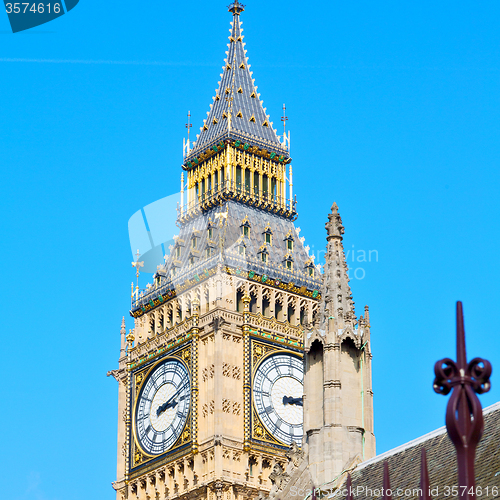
x=337 y=303
x=237 y=111
x=123 y=332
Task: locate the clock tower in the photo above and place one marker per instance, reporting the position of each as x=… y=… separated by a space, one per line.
x=211 y=378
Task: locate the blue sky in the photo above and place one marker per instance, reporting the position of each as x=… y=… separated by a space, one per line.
x=393 y=110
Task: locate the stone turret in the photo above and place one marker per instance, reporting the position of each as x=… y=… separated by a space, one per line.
x=338 y=397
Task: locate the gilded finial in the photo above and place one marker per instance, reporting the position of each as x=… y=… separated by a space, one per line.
x=236 y=8
x=196 y=305
x=130 y=337
x=137 y=265
x=246 y=302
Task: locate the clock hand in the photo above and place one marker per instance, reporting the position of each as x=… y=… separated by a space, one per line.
x=287 y=400
x=171 y=403
x=166 y=406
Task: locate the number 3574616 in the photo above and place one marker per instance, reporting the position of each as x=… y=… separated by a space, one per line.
x=36 y=8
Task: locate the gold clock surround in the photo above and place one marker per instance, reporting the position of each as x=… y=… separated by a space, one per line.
x=139 y=457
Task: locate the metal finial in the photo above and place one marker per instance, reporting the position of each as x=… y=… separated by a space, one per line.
x=189 y=124
x=236 y=7
x=284 y=119
x=186 y=146
x=137 y=265
x=464 y=415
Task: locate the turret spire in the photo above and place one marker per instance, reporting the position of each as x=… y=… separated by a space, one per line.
x=337 y=299
x=237 y=111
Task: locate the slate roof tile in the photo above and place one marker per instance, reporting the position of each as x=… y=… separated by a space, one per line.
x=404 y=466
x=235 y=92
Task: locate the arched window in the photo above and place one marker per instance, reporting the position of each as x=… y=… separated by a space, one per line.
x=265 y=185
x=238 y=177
x=273 y=188
x=247 y=180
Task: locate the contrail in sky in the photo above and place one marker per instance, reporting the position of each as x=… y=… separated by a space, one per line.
x=213 y=65
x=83 y=61
x=145 y=63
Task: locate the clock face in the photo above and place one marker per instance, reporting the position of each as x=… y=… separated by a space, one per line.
x=163 y=407
x=278 y=392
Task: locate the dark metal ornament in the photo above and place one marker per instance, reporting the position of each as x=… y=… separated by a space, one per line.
x=424 y=478
x=349 y=487
x=464 y=415
x=387 y=494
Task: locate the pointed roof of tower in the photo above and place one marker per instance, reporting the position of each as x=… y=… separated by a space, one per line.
x=336 y=299
x=237 y=111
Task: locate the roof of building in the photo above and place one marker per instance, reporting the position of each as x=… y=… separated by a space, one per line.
x=226 y=240
x=237 y=111
x=404 y=465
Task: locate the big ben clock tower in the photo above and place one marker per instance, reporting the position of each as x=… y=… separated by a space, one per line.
x=211 y=378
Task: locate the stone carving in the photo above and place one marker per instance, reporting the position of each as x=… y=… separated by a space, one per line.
x=208 y=372
x=115 y=374
x=217 y=323
x=236 y=408
x=231 y=371
x=278 y=476
x=295 y=455
x=208 y=408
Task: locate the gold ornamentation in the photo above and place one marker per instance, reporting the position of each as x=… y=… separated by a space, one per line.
x=260 y=432
x=138 y=381
x=259 y=350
